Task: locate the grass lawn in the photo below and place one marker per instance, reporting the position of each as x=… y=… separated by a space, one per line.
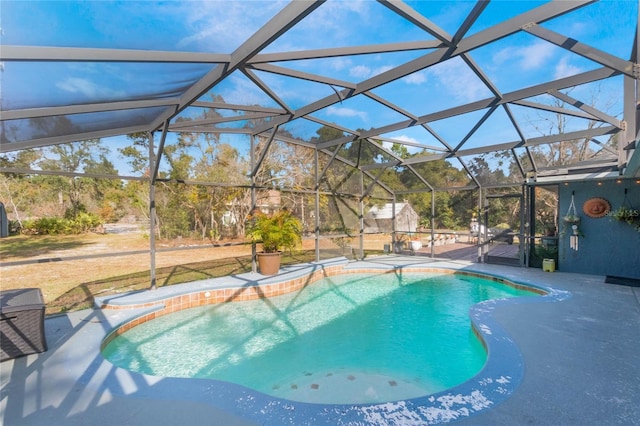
x=81 y=297
x=69 y=277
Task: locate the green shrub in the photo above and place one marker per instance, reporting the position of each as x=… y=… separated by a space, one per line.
x=45 y=226
x=82 y=223
x=85 y=222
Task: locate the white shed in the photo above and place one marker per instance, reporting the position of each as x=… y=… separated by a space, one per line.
x=379 y=219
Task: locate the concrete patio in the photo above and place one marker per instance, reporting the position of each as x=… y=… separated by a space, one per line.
x=581 y=357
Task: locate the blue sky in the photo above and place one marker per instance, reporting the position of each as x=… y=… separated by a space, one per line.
x=221 y=26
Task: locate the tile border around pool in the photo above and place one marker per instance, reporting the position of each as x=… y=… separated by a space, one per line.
x=497 y=380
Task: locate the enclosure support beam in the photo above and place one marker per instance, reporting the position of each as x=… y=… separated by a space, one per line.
x=433 y=221
x=289 y=16
x=152 y=213
x=480 y=209
x=158 y=158
x=361 y=214
x=630 y=142
x=485 y=234
x=252 y=160
x=263 y=154
x=531 y=217
x=154 y=167
x=524 y=228
x=317 y=205
x=394 y=241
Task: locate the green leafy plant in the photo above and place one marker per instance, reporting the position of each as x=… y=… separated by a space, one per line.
x=571 y=218
x=627 y=215
x=80 y=224
x=540 y=253
x=276 y=231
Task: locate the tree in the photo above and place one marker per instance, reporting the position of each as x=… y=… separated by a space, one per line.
x=565 y=153
x=219 y=163
x=108 y=198
x=137 y=154
x=15 y=187
x=76 y=157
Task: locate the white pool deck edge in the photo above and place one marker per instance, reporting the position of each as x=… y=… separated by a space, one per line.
x=576 y=361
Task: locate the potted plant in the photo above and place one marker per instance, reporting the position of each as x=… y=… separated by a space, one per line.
x=276 y=231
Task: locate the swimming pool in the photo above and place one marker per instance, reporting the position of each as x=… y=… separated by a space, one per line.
x=356 y=338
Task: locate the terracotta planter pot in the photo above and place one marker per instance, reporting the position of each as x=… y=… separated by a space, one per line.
x=269 y=263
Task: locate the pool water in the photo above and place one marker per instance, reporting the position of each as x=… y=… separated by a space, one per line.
x=345 y=339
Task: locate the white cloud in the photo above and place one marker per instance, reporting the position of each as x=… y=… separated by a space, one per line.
x=387 y=145
x=87 y=88
x=364 y=72
x=338 y=64
x=223 y=25
x=564 y=69
x=529 y=57
x=459 y=80
x=360 y=71
x=405 y=138
x=244 y=92
x=579 y=28
x=419 y=77
x=502 y=55
x=357 y=6
x=334 y=16
x=536 y=55
x=346 y=112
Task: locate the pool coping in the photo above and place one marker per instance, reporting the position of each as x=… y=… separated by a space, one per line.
x=496 y=381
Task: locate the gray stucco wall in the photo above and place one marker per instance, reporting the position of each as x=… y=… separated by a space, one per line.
x=609 y=247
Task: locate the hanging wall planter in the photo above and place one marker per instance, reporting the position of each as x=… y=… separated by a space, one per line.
x=571 y=219
x=627 y=214
x=571 y=222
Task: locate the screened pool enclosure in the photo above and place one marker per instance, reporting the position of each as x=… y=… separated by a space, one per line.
x=335 y=110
